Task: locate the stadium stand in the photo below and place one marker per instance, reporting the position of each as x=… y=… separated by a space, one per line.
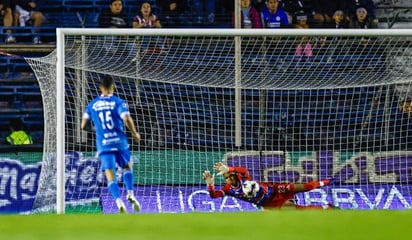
x=21 y=98
x=182 y=128
x=20 y=95
x=312 y=120
x=394 y=13
x=77 y=13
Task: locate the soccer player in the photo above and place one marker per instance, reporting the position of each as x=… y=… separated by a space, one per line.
x=267 y=195
x=110 y=114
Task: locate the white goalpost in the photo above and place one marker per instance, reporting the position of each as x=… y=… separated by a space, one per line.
x=290 y=105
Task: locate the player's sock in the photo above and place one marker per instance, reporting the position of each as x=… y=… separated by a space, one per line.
x=315 y=184
x=128 y=179
x=114 y=189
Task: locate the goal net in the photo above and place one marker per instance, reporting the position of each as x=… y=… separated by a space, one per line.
x=289 y=105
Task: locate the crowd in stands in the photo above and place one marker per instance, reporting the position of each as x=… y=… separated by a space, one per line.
x=38 y=15
x=183 y=14
x=258 y=14
x=19 y=13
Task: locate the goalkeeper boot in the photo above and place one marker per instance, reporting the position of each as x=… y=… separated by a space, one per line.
x=132 y=200
x=121 y=206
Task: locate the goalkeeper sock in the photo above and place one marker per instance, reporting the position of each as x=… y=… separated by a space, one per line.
x=128 y=179
x=312 y=185
x=114 y=189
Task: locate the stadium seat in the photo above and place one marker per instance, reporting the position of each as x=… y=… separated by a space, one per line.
x=19 y=65
x=81 y=10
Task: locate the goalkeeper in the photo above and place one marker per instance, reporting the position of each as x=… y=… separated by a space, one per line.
x=110 y=114
x=262 y=194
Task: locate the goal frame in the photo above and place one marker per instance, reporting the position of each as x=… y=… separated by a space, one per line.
x=235 y=33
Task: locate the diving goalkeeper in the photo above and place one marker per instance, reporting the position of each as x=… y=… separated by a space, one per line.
x=262 y=194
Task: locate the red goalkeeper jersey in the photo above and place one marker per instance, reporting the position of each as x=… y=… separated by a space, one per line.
x=270 y=195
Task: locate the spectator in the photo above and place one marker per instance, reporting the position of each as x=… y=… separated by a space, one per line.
x=273 y=16
x=362 y=19
x=113 y=17
x=292 y=7
x=340 y=19
x=18 y=136
x=29 y=11
x=172 y=13
x=8 y=8
x=404 y=116
x=304 y=47
x=259 y=4
x=250 y=17
x=324 y=10
x=333 y=44
x=406 y=107
x=205 y=11
x=355 y=4
x=146 y=18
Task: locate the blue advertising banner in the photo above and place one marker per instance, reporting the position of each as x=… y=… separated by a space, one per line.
x=354 y=168
x=382 y=196
x=18 y=185
x=169 y=199
x=363 y=181
x=83 y=177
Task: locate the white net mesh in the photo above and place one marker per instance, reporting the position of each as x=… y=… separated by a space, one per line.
x=317 y=106
x=267 y=62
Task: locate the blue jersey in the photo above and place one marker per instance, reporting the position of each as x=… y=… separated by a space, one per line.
x=106 y=113
x=274 y=20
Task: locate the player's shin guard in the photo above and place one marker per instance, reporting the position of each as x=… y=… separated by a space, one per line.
x=315 y=184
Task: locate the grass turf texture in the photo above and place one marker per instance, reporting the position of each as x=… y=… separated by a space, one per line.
x=286 y=225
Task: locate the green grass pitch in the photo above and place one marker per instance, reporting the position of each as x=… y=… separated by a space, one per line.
x=276 y=225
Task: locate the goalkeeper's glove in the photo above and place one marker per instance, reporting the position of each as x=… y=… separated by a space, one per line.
x=209 y=178
x=222 y=168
